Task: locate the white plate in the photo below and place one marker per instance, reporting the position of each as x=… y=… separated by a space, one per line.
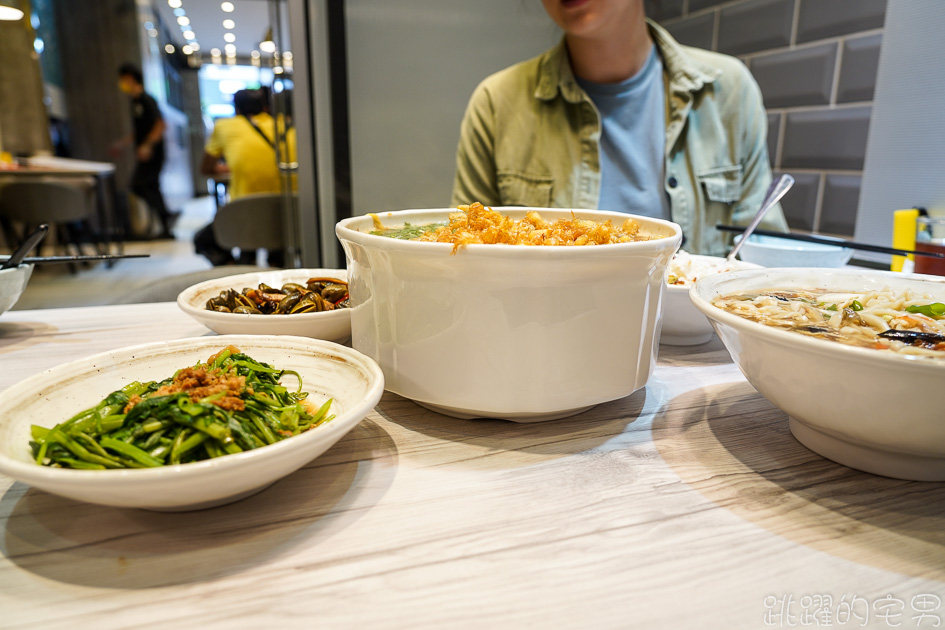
x=353 y=381
x=330 y=325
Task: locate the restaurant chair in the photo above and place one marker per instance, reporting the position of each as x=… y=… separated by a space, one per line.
x=67 y=208
x=251 y=222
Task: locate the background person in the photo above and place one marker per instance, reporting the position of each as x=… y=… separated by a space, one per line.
x=619 y=116
x=147 y=137
x=244 y=147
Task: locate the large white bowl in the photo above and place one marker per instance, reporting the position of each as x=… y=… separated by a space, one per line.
x=683 y=323
x=771 y=251
x=12 y=284
x=353 y=382
x=330 y=325
x=868 y=409
x=515 y=332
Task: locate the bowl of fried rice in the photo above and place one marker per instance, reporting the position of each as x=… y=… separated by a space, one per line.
x=524 y=314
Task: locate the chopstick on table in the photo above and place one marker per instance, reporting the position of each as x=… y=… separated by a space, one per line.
x=810 y=238
x=35 y=260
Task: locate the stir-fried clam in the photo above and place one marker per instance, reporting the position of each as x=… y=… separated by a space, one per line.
x=315 y=296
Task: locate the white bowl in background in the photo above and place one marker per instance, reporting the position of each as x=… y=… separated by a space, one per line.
x=872 y=410
x=771 y=251
x=329 y=325
x=683 y=323
x=353 y=382
x=13 y=282
x=517 y=332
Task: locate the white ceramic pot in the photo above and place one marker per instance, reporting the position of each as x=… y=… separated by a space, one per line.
x=868 y=409
x=515 y=332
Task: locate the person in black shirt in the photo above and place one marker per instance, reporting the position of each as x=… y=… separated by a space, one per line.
x=148 y=138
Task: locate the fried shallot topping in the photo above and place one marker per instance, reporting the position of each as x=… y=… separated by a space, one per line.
x=482 y=225
x=199 y=382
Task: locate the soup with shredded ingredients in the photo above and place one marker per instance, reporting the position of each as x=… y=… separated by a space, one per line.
x=905 y=322
x=478 y=224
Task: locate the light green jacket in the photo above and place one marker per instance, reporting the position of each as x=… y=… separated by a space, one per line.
x=530 y=137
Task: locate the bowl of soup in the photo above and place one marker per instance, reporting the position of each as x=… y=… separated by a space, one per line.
x=854 y=357
x=503 y=329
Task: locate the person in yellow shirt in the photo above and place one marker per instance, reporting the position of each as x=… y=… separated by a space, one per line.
x=244 y=147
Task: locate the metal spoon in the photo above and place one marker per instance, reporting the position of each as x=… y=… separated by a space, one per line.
x=31 y=241
x=777 y=190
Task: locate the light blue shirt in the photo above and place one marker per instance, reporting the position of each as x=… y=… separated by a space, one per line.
x=633 y=135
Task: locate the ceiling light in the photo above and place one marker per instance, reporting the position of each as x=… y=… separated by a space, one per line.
x=169 y=48
x=183 y=20
x=254 y=54
x=267 y=45
x=194 y=46
x=148 y=26
x=229 y=37
x=227 y=7
x=230 y=49
x=174 y=4
x=186 y=49
x=214 y=52
x=10 y=10
x=229 y=24
x=287 y=56
x=189 y=35
x=152 y=32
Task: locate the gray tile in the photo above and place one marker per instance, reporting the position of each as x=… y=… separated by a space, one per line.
x=774 y=125
x=755 y=25
x=830 y=138
x=796 y=77
x=858 y=69
x=841 y=198
x=698 y=5
x=694 y=31
x=800 y=204
x=660 y=10
x=818 y=19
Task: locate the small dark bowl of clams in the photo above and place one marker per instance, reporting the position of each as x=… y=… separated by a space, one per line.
x=302 y=302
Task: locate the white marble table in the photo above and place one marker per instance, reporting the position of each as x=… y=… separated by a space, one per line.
x=687 y=505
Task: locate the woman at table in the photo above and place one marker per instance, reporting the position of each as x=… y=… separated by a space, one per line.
x=619 y=116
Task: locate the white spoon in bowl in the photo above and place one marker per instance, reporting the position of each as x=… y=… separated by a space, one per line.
x=777 y=190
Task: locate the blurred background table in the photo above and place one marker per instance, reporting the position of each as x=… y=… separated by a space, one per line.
x=685 y=505
x=109 y=228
